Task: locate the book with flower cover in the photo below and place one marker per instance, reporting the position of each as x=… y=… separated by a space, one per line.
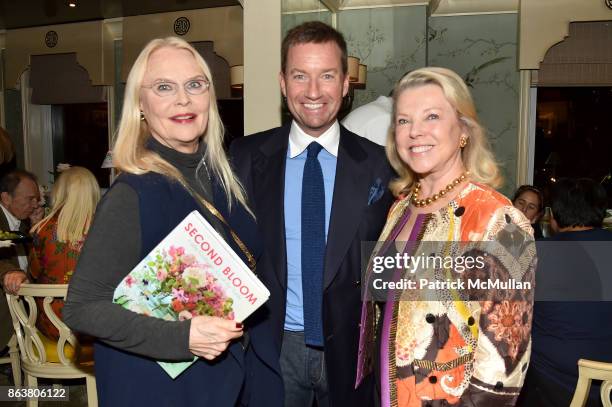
x=191 y=272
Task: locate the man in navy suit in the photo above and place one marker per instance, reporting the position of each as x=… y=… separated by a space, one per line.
x=318 y=192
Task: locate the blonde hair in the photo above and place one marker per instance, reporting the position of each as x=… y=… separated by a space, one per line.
x=74 y=198
x=131 y=155
x=476 y=156
x=7 y=149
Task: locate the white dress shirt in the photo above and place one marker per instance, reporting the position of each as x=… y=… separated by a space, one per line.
x=299 y=140
x=14 y=225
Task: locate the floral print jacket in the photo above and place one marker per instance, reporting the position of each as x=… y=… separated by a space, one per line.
x=452 y=351
x=52 y=262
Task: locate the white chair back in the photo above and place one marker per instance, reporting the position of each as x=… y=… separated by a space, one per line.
x=24 y=321
x=589 y=370
x=38 y=360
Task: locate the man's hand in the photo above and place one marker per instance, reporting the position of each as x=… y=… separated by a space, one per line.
x=210 y=336
x=13 y=280
x=37 y=215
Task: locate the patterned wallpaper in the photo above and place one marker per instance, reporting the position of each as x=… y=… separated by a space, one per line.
x=390 y=41
x=482 y=49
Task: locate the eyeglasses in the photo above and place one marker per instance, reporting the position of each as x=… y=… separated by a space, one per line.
x=193 y=87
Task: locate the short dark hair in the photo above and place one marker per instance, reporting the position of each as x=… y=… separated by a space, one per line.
x=578 y=202
x=313 y=32
x=10 y=181
x=529 y=188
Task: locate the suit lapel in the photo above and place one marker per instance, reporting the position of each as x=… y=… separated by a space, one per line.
x=269 y=189
x=3 y=222
x=349 y=202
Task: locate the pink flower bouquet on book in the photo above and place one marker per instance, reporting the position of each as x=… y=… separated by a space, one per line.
x=173 y=286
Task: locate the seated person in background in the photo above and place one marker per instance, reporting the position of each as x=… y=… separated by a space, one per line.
x=58 y=238
x=20 y=207
x=530 y=200
x=570 y=320
x=371 y=120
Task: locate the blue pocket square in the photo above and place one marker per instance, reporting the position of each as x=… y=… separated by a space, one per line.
x=376 y=191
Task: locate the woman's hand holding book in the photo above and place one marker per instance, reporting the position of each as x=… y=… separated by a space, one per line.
x=209 y=337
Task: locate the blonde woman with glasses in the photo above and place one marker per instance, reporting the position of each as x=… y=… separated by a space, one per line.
x=169 y=150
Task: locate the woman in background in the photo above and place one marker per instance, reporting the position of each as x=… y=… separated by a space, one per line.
x=530 y=200
x=58 y=237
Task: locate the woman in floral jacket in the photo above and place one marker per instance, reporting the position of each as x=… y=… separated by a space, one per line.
x=58 y=238
x=447 y=346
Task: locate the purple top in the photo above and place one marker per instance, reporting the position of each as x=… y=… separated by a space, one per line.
x=385 y=383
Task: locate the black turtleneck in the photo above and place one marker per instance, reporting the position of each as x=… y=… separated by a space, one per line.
x=195 y=174
x=187 y=164
x=111 y=250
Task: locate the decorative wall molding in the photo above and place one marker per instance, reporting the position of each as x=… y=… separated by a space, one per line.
x=114 y=26
x=584 y=58
x=91 y=41
x=307 y=6
x=383 y=6
x=352 y=4
x=319 y=10
x=221 y=25
x=472 y=7
x=480 y=13
x=436 y=7
x=543 y=23
x=333 y=5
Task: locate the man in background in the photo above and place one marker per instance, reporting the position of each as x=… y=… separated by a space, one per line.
x=19 y=209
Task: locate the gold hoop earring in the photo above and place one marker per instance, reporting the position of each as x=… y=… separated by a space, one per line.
x=463 y=142
x=142 y=117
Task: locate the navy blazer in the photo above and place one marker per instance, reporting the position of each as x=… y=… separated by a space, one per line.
x=359 y=208
x=128 y=379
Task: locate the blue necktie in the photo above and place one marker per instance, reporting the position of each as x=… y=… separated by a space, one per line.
x=313 y=245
